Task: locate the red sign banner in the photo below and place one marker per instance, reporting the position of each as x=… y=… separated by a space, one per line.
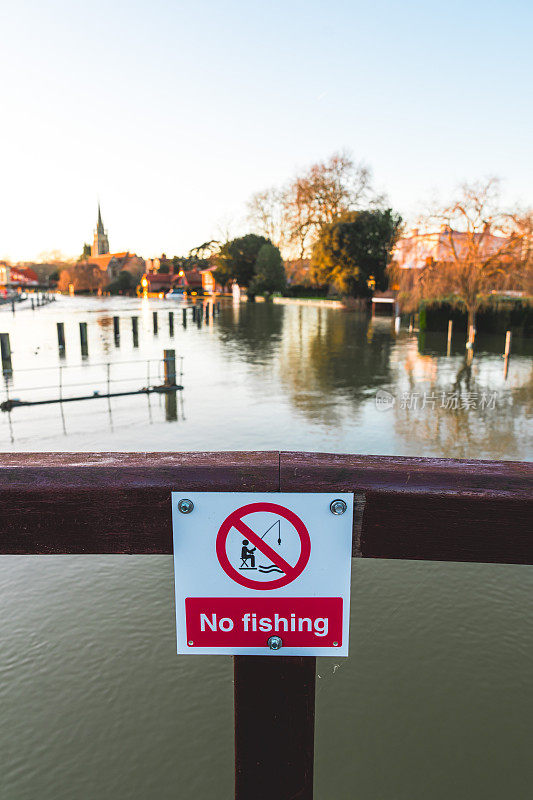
x=249 y=622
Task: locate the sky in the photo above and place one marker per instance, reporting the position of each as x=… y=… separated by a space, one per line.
x=173 y=113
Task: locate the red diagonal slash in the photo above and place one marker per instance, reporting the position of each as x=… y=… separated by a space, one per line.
x=261 y=545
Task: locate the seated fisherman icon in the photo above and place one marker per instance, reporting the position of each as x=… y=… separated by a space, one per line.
x=247 y=554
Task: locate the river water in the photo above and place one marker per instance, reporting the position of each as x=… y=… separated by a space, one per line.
x=434 y=701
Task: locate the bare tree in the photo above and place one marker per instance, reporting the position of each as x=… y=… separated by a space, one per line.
x=525 y=228
x=225 y=228
x=83 y=277
x=321 y=194
x=291 y=217
x=265 y=214
x=478 y=248
x=297 y=220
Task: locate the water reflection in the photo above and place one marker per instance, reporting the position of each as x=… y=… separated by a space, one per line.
x=333 y=360
x=448 y=406
x=266 y=376
x=252 y=330
x=464 y=409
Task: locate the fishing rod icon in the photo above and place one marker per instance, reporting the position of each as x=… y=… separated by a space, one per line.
x=248 y=554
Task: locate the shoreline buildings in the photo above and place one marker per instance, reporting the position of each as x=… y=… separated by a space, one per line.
x=99 y=270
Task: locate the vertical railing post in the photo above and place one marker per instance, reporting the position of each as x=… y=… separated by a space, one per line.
x=135 y=330
x=5 y=348
x=61 y=338
x=84 y=343
x=274 y=727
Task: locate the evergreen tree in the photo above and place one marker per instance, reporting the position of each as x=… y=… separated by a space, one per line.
x=269 y=272
x=352 y=252
x=236 y=259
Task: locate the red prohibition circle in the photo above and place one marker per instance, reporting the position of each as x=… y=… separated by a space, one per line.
x=235 y=518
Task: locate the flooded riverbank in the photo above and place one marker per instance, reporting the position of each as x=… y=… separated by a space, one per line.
x=265 y=377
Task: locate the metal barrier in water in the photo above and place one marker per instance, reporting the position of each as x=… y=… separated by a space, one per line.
x=165 y=378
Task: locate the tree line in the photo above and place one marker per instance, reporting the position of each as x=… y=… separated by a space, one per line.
x=331 y=215
x=330 y=218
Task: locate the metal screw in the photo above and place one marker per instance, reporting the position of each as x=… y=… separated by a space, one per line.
x=274 y=642
x=185 y=506
x=335 y=644
x=337 y=507
x=190 y=644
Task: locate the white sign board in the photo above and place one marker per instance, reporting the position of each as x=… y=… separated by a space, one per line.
x=262 y=573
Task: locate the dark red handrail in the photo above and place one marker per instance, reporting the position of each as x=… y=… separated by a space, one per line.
x=410 y=508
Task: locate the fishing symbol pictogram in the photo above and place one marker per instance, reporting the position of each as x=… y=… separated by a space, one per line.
x=256 y=555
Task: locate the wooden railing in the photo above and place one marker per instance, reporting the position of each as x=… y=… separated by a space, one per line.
x=408 y=508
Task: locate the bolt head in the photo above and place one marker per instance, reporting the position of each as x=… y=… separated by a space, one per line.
x=185 y=506
x=275 y=642
x=190 y=643
x=337 y=507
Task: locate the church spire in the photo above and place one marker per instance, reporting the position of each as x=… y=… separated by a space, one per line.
x=101 y=242
x=100 y=224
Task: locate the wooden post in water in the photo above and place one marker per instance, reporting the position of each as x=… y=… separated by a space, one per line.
x=194 y=313
x=135 y=330
x=171 y=404
x=449 y=345
x=507 y=353
x=470 y=344
x=184 y=317
x=5 y=349
x=83 y=340
x=274 y=727
x=154 y=318
x=61 y=338
x=169 y=359
x=171 y=323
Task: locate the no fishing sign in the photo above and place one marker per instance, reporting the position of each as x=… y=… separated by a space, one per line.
x=262 y=573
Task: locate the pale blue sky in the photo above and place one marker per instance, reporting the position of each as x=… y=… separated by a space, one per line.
x=173 y=113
